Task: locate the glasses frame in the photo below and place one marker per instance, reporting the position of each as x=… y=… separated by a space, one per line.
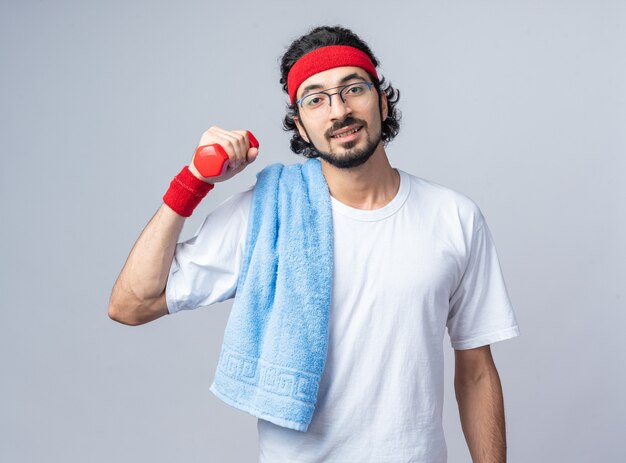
x=330 y=95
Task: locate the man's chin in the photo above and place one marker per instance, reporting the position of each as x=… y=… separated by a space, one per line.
x=346 y=156
x=347 y=159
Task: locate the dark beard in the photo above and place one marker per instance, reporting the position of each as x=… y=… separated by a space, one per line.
x=351 y=158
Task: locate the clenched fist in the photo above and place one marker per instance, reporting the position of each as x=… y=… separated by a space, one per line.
x=236 y=144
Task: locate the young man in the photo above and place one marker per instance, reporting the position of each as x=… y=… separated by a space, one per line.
x=411 y=258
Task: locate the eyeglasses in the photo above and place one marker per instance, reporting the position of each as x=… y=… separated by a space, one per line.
x=357 y=95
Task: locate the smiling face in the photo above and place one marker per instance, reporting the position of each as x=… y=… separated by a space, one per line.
x=332 y=133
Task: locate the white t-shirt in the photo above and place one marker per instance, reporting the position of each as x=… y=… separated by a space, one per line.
x=403 y=273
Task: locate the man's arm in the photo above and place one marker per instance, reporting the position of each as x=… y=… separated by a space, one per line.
x=138 y=295
x=481 y=405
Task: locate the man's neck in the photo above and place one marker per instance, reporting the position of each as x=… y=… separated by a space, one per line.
x=369 y=186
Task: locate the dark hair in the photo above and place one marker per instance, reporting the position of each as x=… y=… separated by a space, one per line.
x=321 y=37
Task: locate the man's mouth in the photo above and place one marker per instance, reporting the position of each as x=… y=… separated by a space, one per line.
x=345 y=132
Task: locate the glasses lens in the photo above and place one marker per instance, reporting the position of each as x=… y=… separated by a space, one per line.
x=314 y=101
x=357 y=94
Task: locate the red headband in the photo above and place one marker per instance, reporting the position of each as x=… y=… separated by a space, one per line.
x=324 y=58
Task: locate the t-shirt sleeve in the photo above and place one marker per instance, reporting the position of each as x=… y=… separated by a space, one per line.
x=206 y=267
x=480 y=310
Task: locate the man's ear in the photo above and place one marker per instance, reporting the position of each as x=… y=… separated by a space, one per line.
x=301 y=130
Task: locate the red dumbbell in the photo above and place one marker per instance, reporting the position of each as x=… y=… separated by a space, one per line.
x=212 y=160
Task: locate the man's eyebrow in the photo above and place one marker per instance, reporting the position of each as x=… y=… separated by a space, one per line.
x=354 y=75
x=345 y=79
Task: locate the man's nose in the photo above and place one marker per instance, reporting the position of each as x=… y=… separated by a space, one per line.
x=338 y=108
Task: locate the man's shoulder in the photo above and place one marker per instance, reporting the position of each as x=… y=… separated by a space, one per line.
x=237 y=204
x=443 y=198
x=432 y=190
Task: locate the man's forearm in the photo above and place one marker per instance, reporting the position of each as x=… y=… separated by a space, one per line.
x=481 y=408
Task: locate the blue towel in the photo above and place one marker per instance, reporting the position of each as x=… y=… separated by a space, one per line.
x=276 y=338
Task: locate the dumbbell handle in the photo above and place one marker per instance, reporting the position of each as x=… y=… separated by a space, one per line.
x=212 y=160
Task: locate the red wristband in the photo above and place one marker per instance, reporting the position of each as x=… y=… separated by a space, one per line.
x=185 y=192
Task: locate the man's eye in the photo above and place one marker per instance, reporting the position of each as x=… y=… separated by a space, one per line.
x=355 y=89
x=313 y=101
